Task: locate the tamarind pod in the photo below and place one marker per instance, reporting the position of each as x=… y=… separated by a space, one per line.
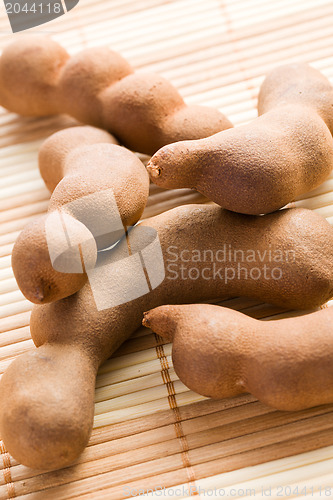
x=70 y=394
x=99 y=189
x=297 y=84
x=259 y=167
x=77 y=322
x=97 y=86
x=218 y=352
x=30 y=69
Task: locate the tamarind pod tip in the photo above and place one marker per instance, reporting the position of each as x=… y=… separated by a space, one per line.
x=30 y=68
x=159 y=321
x=39 y=295
x=145 y=321
x=153 y=170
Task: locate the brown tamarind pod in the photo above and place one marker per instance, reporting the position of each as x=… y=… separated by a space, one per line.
x=220 y=353
x=137 y=275
x=259 y=167
x=99 y=87
x=55 y=149
x=85 y=77
x=98 y=189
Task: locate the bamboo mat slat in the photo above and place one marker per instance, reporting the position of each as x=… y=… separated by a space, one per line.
x=150 y=431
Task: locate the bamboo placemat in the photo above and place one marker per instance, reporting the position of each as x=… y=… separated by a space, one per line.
x=150 y=431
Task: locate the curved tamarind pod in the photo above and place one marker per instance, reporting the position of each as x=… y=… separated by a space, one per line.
x=260 y=167
x=96 y=332
x=29 y=75
x=99 y=189
x=99 y=87
x=220 y=353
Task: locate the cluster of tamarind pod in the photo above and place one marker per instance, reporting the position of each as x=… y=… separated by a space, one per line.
x=99 y=192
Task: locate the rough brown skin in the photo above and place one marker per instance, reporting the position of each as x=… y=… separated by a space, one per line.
x=221 y=353
x=53 y=153
x=99 y=87
x=74 y=323
x=260 y=167
x=75 y=163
